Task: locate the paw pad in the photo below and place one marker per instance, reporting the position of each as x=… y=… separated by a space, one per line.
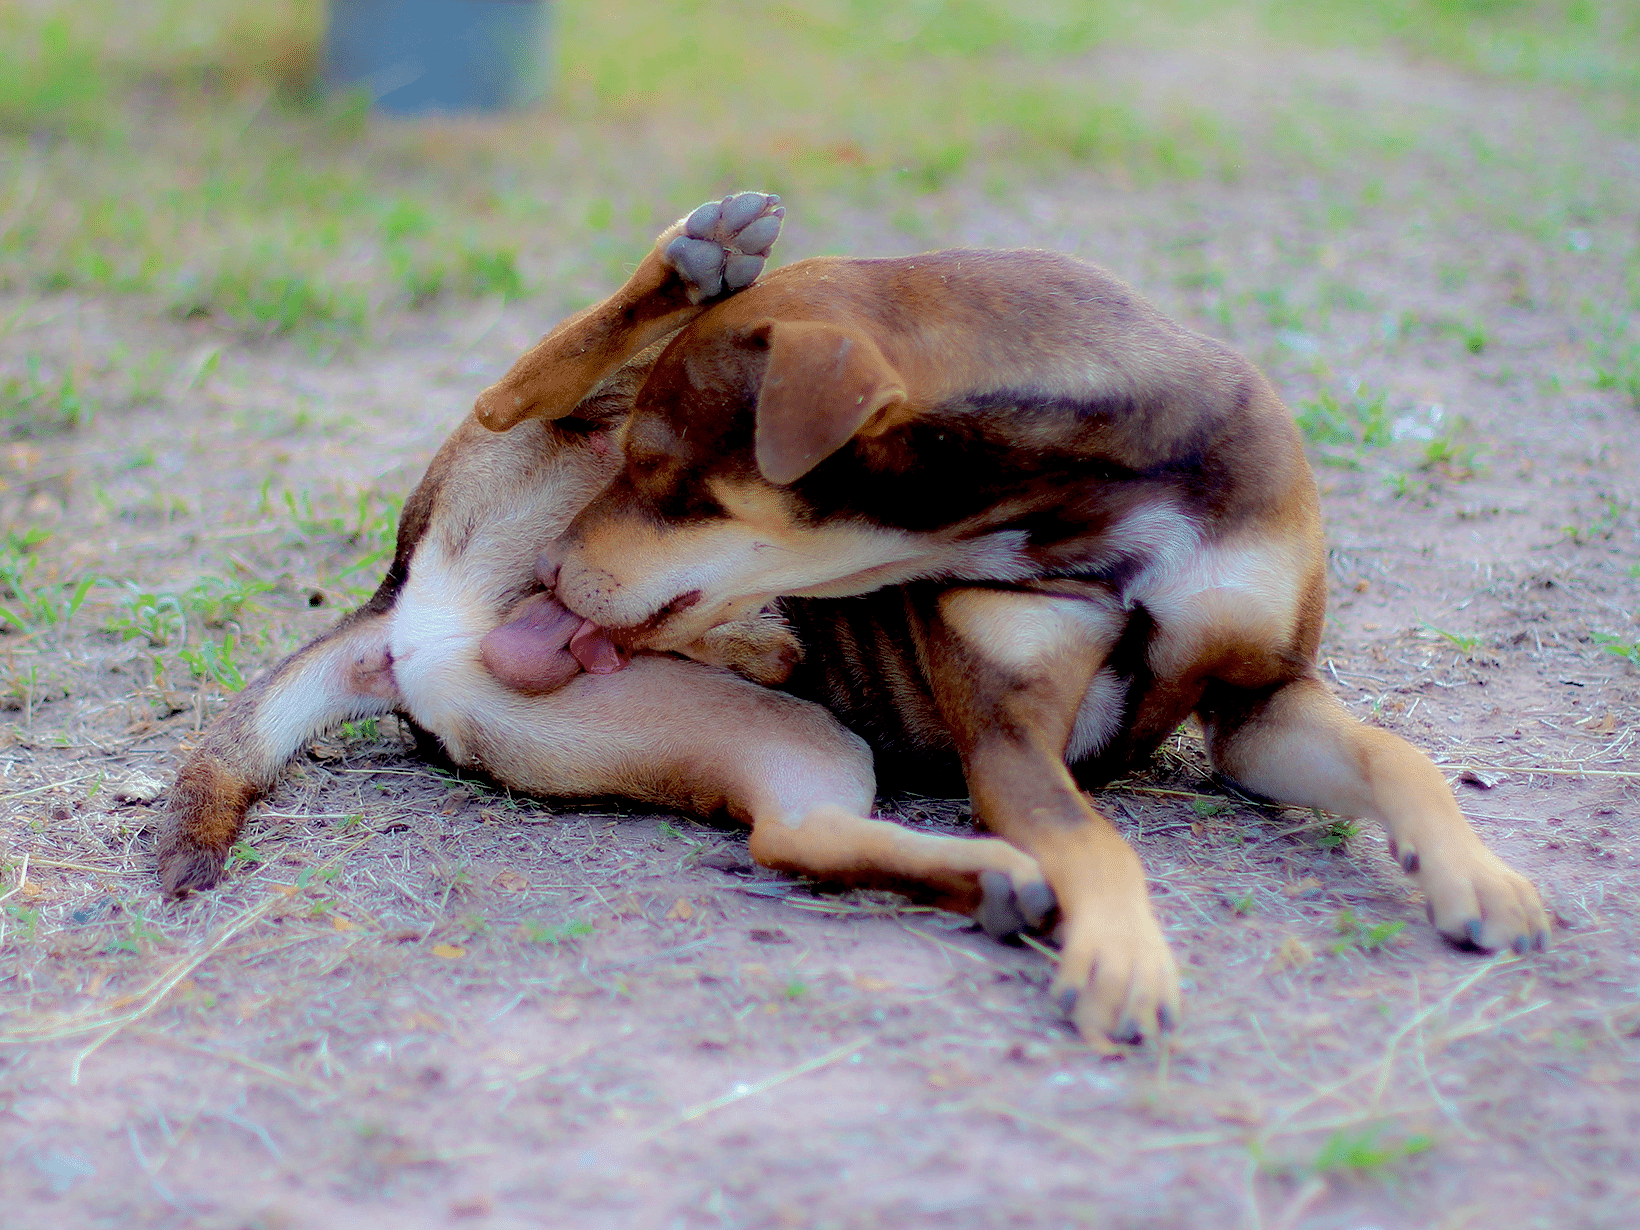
x=725 y=243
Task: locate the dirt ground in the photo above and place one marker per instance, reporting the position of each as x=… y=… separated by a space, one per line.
x=421 y=1002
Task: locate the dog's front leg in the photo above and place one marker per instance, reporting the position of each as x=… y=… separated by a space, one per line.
x=1009 y=673
x=718 y=249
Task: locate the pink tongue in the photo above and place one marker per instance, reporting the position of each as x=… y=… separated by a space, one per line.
x=595 y=651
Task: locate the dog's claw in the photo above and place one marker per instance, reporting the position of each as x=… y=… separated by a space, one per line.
x=1037 y=902
x=1006 y=908
x=725 y=243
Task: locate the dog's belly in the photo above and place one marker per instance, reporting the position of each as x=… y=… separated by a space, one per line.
x=1187 y=614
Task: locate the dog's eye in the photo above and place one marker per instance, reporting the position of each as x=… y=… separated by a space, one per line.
x=643 y=465
x=571 y=425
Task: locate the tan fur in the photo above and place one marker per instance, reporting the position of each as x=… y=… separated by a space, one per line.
x=1101 y=522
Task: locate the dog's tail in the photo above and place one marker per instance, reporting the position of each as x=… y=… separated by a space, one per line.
x=345 y=674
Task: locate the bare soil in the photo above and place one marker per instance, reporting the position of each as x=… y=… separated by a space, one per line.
x=423 y=1002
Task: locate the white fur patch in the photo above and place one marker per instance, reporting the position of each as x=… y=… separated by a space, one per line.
x=1246 y=590
x=1099 y=717
x=321 y=693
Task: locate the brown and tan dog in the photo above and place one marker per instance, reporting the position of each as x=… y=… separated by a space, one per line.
x=460 y=638
x=1094 y=523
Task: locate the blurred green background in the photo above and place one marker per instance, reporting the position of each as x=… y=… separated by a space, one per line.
x=182 y=150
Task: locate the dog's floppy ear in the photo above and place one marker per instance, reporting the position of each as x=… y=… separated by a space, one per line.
x=824 y=385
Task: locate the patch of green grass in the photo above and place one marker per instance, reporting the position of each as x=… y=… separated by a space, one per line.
x=26 y=921
x=134 y=940
x=1600 y=526
x=1357 y=936
x=1278 y=312
x=33 y=403
x=50 y=80
x=556 y=933
x=215 y=661
x=244 y=854
x=1629 y=651
x=1340 y=429
x=1337 y=833
x=1365 y=1152
x=1464 y=644
x=32 y=602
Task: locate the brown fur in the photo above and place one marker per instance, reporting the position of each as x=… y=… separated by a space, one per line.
x=682 y=734
x=1096 y=522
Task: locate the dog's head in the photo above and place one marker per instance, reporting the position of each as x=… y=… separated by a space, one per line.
x=759 y=454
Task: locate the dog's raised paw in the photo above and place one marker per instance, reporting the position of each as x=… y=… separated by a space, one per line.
x=725 y=243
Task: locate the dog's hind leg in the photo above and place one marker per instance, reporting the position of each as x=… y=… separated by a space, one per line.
x=696 y=739
x=1297 y=744
x=718 y=249
x=347 y=673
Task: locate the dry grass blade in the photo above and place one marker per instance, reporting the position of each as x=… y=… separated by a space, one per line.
x=57 y=865
x=151 y=996
x=741 y=1092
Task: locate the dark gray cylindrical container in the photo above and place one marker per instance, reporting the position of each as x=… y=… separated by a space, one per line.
x=415 y=56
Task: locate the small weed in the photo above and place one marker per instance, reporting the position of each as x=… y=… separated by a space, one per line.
x=1463 y=644
x=27 y=921
x=1601 y=526
x=218 y=602
x=323 y=875
x=1405 y=486
x=1279 y=313
x=794 y=990
x=137 y=933
x=1361 y=422
x=366 y=730
x=27 y=606
x=34 y=404
x=244 y=854
x=1453 y=458
x=1629 y=651
x=1362 y=1152
x=1200 y=279
x=1241 y=906
x=1208 y=807
x=215 y=661
x=157 y=618
x=1356 y=935
x=556 y=934
x=1336 y=832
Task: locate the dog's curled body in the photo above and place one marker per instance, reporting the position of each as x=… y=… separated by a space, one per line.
x=442 y=641
x=1095 y=523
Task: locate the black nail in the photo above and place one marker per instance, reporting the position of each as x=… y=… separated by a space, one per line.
x=1472 y=931
x=1540 y=941
x=1409 y=862
x=1067 y=1001
x=1522 y=943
